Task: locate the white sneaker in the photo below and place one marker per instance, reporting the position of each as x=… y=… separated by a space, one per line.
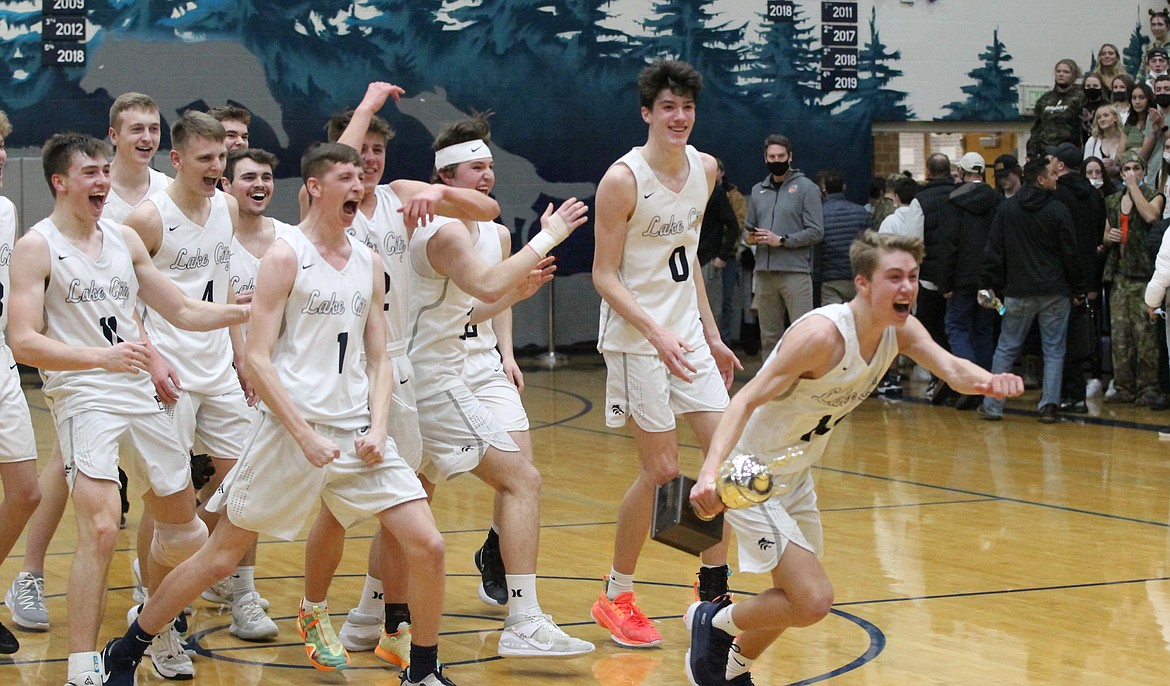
x=85 y=679
x=1093 y=388
x=219 y=593
x=361 y=632
x=537 y=636
x=139 y=593
x=249 y=622
x=26 y=600
x=167 y=655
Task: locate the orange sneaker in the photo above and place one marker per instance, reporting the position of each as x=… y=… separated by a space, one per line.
x=395 y=648
x=628 y=625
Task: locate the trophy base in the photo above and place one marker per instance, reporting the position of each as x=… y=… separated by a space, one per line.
x=676 y=524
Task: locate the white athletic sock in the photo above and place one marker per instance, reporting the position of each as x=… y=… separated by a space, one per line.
x=723 y=621
x=243 y=582
x=522 y=594
x=84 y=662
x=307 y=605
x=372 y=602
x=618 y=584
x=736 y=663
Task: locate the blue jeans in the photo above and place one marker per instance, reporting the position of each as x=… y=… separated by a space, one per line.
x=1052 y=311
x=970 y=329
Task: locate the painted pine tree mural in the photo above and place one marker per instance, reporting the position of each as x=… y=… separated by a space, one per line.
x=874 y=100
x=992 y=94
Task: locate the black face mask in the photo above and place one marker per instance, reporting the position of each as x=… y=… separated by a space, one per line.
x=1120 y=96
x=1163 y=100
x=1092 y=94
x=779 y=168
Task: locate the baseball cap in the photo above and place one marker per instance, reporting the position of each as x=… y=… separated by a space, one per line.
x=1157 y=52
x=972 y=163
x=1067 y=153
x=1006 y=164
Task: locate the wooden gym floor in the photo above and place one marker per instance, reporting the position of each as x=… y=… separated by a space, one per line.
x=962 y=552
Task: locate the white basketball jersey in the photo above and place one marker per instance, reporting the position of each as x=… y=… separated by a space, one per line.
x=482 y=337
x=439 y=316
x=319 y=351
x=90 y=303
x=243 y=266
x=662 y=238
x=195 y=258
x=116 y=208
x=385 y=232
x=806 y=414
x=7 y=240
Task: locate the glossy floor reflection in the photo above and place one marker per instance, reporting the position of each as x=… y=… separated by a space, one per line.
x=962 y=552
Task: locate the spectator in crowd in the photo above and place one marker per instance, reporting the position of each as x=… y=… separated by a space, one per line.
x=1129 y=266
x=1058 y=112
x=844 y=221
x=1031 y=259
x=1092 y=86
x=1121 y=85
x=1008 y=175
x=1159 y=39
x=931 y=307
x=1109 y=138
x=784 y=221
x=1109 y=63
x=1158 y=112
x=877 y=190
x=1157 y=63
x=718 y=241
x=906 y=220
x=1093 y=170
x=964 y=226
x=1087 y=208
x=887 y=204
x=1139 y=133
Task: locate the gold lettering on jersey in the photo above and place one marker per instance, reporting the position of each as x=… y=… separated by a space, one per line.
x=185 y=260
x=839 y=397
x=360 y=303
x=674 y=226
x=223 y=255
x=318 y=305
x=394 y=244
x=78 y=293
x=5 y=254
x=119 y=289
x=238 y=285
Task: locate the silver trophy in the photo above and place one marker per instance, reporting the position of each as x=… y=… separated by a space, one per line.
x=746 y=480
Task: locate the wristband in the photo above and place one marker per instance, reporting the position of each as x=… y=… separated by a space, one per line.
x=542 y=242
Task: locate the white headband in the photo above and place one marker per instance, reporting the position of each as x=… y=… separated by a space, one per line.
x=462 y=152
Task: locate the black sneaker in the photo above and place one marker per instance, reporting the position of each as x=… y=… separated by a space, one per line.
x=117 y=671
x=712 y=582
x=706 y=660
x=493 y=587
x=889 y=387
x=1049 y=414
x=435 y=678
x=8 y=642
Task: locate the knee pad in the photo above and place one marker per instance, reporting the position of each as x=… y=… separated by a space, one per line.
x=173 y=543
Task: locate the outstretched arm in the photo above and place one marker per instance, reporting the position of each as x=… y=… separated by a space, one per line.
x=965 y=377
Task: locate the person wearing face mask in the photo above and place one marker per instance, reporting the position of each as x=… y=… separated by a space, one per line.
x=1091 y=85
x=1159 y=40
x=785 y=219
x=1093 y=169
x=1058 y=112
x=1129 y=264
x=1120 y=87
x=1158 y=127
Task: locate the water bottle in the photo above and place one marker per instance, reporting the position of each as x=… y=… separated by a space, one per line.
x=988 y=299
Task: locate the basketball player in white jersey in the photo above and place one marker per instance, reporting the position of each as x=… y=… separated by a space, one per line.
x=76 y=282
x=386 y=216
x=188 y=228
x=249 y=177
x=661 y=344
x=235 y=121
x=18 y=448
x=134 y=128
x=825 y=365
x=459 y=434
x=322 y=427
